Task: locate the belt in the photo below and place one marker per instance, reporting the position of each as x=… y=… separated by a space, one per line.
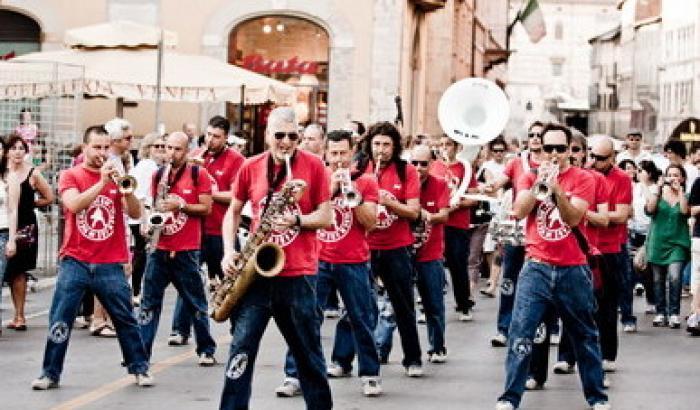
x=541 y=262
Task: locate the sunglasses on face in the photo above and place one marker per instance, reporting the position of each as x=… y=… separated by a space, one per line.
x=159 y=146
x=559 y=148
x=421 y=163
x=533 y=134
x=596 y=157
x=293 y=136
x=576 y=149
x=498 y=151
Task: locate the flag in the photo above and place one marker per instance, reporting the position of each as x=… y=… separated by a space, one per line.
x=533 y=21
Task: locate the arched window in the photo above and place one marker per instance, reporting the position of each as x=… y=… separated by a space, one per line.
x=19 y=34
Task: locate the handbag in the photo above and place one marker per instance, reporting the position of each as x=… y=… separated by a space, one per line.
x=25 y=238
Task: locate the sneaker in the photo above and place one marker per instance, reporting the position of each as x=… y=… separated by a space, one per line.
x=685 y=293
x=650 y=309
x=555 y=339
x=639 y=289
x=438 y=357
x=629 y=328
x=659 y=321
x=414 y=370
x=563 y=368
x=504 y=405
x=606 y=381
x=602 y=406
x=144 y=379
x=289 y=388
x=176 y=339
x=466 y=316
x=674 y=322
x=421 y=319
x=499 y=340
x=331 y=313
x=609 y=366
x=335 y=370
x=532 y=384
x=207 y=360
x=44 y=383
x=371 y=386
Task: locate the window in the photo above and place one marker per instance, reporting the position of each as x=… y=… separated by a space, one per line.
x=556 y=68
x=558 y=31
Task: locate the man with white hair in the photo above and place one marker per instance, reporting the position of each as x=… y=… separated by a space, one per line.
x=120 y=136
x=290 y=296
x=312 y=140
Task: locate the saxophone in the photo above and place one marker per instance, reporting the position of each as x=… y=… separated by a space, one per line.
x=258 y=257
x=156 y=219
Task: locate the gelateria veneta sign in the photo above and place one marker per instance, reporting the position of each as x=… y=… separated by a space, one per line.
x=294 y=65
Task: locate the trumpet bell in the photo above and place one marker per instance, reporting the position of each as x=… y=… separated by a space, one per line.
x=473 y=111
x=126 y=184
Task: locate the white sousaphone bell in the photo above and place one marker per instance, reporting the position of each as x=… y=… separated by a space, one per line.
x=472 y=112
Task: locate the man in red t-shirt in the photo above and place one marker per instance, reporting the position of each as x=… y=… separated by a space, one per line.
x=430 y=246
x=556 y=272
x=222 y=164
x=91 y=258
x=514 y=256
x=457 y=233
x=176 y=255
x=391 y=242
x=290 y=296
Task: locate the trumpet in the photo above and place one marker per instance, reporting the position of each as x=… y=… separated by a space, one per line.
x=351 y=198
x=126 y=184
x=542 y=189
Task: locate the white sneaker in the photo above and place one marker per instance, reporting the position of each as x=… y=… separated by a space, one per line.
x=639 y=289
x=289 y=388
x=499 y=340
x=609 y=366
x=371 y=386
x=629 y=328
x=207 y=360
x=176 y=339
x=659 y=321
x=650 y=309
x=504 y=405
x=414 y=370
x=466 y=316
x=144 y=379
x=563 y=368
x=531 y=384
x=602 y=406
x=331 y=313
x=555 y=339
x=437 y=358
x=44 y=383
x=674 y=322
x=606 y=381
x=335 y=370
x=421 y=319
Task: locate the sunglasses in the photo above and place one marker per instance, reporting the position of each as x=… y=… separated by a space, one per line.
x=533 y=134
x=576 y=149
x=560 y=148
x=159 y=146
x=498 y=151
x=293 y=136
x=421 y=163
x=596 y=157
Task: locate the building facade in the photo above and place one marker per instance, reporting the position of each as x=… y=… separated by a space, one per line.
x=349 y=60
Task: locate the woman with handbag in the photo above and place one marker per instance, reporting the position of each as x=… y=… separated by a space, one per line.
x=668 y=244
x=30 y=182
x=9 y=194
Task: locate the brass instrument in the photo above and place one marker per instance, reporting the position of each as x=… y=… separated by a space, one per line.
x=156 y=220
x=420 y=231
x=542 y=189
x=258 y=256
x=126 y=184
x=351 y=198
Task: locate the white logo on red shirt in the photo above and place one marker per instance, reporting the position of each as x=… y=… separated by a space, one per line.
x=342 y=222
x=97 y=222
x=284 y=238
x=175 y=221
x=385 y=218
x=550 y=226
x=421 y=240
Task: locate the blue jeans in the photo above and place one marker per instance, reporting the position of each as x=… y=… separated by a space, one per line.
x=513 y=258
x=430 y=280
x=183 y=272
x=212 y=254
x=291 y=301
x=569 y=290
x=394 y=268
x=626 y=281
x=108 y=282
x=3 y=264
x=356 y=326
x=456 y=257
x=667 y=278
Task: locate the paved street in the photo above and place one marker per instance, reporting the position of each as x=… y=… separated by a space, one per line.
x=656 y=371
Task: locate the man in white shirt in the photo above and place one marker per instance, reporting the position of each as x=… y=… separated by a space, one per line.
x=634 y=150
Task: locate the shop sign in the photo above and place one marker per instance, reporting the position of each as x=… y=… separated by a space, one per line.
x=294 y=65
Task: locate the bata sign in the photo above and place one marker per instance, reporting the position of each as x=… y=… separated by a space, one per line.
x=293 y=65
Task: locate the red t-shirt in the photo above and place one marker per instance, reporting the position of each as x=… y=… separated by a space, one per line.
x=300 y=245
x=182 y=232
x=345 y=241
x=452 y=175
x=223 y=168
x=602 y=196
x=548 y=237
x=514 y=170
x=614 y=235
x=434 y=196
x=95 y=234
x=393 y=232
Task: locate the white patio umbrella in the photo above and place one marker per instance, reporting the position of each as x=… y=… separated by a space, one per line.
x=119 y=34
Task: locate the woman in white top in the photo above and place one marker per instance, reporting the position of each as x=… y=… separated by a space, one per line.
x=9 y=200
x=151 y=156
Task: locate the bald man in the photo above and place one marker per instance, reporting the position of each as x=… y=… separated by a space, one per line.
x=612 y=243
x=176 y=255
